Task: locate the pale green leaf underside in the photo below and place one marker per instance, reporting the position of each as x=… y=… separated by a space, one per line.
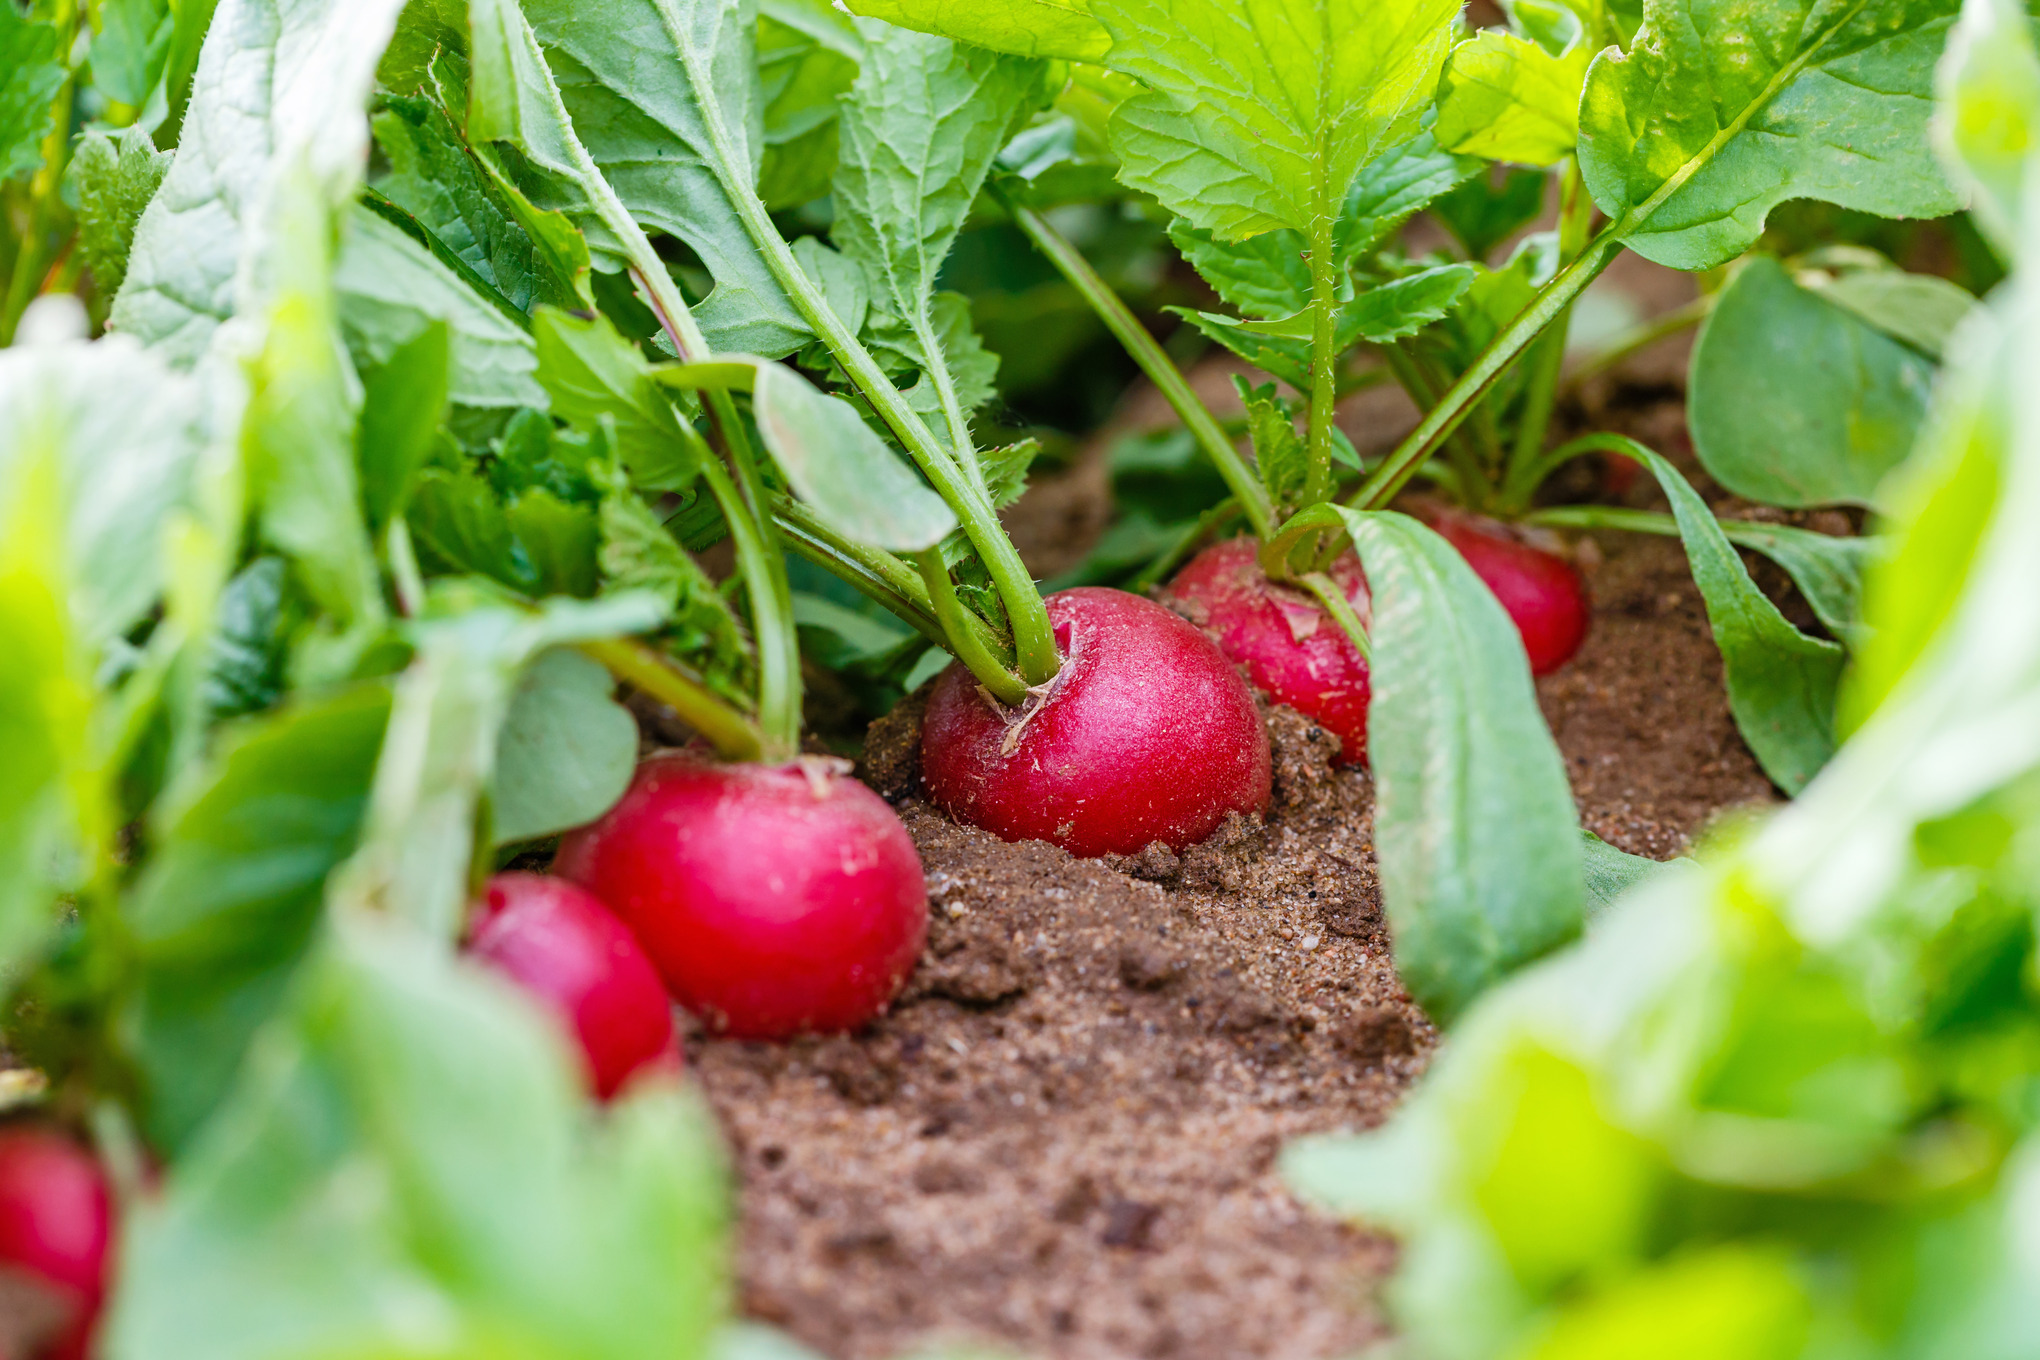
x=1259 y=113
x=1477 y=837
x=1725 y=108
x=566 y=751
x=842 y=469
x=1023 y=28
x=277 y=83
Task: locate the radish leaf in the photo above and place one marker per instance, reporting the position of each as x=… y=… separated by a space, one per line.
x=1024 y=28
x=1477 y=838
x=566 y=751
x=591 y=373
x=1795 y=401
x=1506 y=99
x=115 y=179
x=31 y=73
x=1721 y=111
x=808 y=53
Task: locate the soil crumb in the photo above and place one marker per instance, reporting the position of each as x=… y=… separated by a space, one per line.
x=1061 y=1141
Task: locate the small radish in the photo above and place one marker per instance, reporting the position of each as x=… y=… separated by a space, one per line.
x=1147 y=734
x=1281 y=637
x=774 y=900
x=565 y=948
x=1541 y=591
x=56 y=1230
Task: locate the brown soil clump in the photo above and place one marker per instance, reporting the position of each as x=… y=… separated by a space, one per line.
x=1062 y=1139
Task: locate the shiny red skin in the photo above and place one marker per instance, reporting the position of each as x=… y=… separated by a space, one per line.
x=559 y=943
x=1288 y=646
x=1542 y=591
x=775 y=901
x=1148 y=734
x=56 y=1227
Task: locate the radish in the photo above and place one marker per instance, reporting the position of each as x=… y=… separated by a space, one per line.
x=56 y=1229
x=565 y=948
x=1281 y=637
x=1542 y=591
x=1146 y=734
x=775 y=900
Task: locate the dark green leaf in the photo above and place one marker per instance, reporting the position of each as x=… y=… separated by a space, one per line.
x=1828 y=570
x=807 y=56
x=1781 y=683
x=1403 y=306
x=250 y=646
x=232 y=894
x=1721 y=111
x=1478 y=842
x=116 y=180
x=1482 y=214
x=403 y=402
x=1401 y=183
x=566 y=751
x=1263 y=276
x=1796 y=401
x=1284 y=358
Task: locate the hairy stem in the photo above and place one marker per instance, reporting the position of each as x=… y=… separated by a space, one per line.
x=1153 y=360
x=1324 y=359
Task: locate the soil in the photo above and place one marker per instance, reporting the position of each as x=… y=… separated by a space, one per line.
x=1061 y=1141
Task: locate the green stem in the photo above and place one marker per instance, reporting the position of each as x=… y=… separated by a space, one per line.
x=1380 y=488
x=734 y=736
x=961 y=446
x=1526 y=477
x=1340 y=608
x=999 y=682
x=1547 y=363
x=1153 y=360
x=1033 y=636
x=878 y=574
x=1324 y=360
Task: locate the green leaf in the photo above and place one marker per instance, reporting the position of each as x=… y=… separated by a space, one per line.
x=1989 y=117
x=1827 y=569
x=1263 y=276
x=1283 y=357
x=1260 y=114
x=403 y=402
x=1404 y=306
x=1482 y=214
x=673 y=126
x=591 y=372
x=1611 y=873
x=1721 y=111
x=531 y=541
x=409 y=1166
x=1781 y=683
x=249 y=650
x=640 y=554
x=1917 y=309
x=31 y=73
x=1279 y=455
x=116 y=180
x=121 y=434
x=843 y=470
x=1006 y=470
x=971 y=369
x=419 y=842
x=808 y=54
x=1024 y=28
x=425 y=30
x=1400 y=183
x=1478 y=842
x=277 y=86
x=435 y=179
x=920 y=129
x=566 y=751
x=1798 y=402
x=233 y=892
x=130 y=48
x=392 y=290
x=1507 y=99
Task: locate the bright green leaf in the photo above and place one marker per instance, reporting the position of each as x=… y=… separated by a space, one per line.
x=1795 y=401
x=116 y=180
x=1024 y=28
x=591 y=372
x=1475 y=830
x=1260 y=114
x=1724 y=108
x=403 y=402
x=1507 y=99
x=31 y=73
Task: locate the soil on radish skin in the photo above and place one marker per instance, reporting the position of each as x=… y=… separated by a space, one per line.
x=1063 y=1137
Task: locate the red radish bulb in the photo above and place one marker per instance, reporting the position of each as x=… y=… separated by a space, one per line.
x=1542 y=591
x=1147 y=734
x=1283 y=639
x=775 y=901
x=56 y=1229
x=565 y=948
